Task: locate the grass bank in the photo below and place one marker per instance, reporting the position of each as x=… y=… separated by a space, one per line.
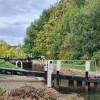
x=5 y=64
x=80 y=67
x=2 y=75
x=1 y=91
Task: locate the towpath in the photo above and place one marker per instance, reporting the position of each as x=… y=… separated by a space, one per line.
x=13 y=82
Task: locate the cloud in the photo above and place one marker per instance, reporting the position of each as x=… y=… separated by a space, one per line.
x=16 y=15
x=12 y=40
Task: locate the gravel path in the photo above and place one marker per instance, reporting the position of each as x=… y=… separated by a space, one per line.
x=67 y=71
x=13 y=82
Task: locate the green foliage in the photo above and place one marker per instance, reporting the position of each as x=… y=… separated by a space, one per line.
x=11 y=53
x=68 y=30
x=96 y=57
x=32 y=32
x=78 y=3
x=3 y=48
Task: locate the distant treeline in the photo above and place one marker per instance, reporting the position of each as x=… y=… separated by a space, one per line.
x=68 y=30
x=7 y=50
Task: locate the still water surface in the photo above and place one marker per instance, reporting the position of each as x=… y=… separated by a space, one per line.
x=93 y=95
x=90 y=95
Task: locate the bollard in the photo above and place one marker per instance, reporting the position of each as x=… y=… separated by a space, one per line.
x=17 y=64
x=87 y=68
x=49 y=73
x=58 y=69
x=21 y=64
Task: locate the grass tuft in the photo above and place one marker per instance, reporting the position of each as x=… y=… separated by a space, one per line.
x=1 y=91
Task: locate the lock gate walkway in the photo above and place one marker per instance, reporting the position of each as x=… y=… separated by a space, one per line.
x=76 y=79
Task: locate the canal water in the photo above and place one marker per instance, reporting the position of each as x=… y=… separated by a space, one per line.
x=92 y=95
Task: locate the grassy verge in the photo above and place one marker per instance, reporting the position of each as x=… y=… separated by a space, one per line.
x=79 y=67
x=6 y=65
x=1 y=91
x=3 y=75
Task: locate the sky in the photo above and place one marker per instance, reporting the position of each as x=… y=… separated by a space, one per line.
x=16 y=16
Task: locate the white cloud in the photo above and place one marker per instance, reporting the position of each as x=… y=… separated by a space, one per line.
x=16 y=15
x=12 y=40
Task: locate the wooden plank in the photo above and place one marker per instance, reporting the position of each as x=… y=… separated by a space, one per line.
x=42 y=74
x=21 y=72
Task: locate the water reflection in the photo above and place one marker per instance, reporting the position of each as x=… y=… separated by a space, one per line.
x=92 y=95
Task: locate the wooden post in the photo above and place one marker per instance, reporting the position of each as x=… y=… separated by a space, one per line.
x=87 y=68
x=45 y=69
x=21 y=64
x=45 y=77
x=57 y=81
x=58 y=69
x=49 y=73
x=86 y=82
x=16 y=64
x=86 y=74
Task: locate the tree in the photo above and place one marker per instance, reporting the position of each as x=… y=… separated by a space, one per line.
x=3 y=48
x=33 y=30
x=68 y=30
